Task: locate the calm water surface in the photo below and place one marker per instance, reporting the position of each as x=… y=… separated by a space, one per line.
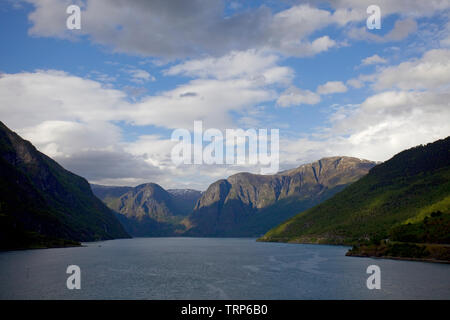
x=212 y=268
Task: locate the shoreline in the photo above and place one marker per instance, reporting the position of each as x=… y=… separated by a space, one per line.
x=365 y=255
x=348 y=253
x=398 y=258
x=42 y=248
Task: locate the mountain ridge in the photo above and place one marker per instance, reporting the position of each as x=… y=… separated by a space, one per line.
x=245 y=204
x=148 y=209
x=392 y=202
x=43 y=204
x=243 y=198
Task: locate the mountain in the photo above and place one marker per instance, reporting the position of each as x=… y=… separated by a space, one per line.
x=108 y=193
x=44 y=205
x=403 y=200
x=186 y=199
x=248 y=204
x=148 y=209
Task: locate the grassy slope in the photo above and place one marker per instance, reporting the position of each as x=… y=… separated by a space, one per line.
x=44 y=205
x=26 y=220
x=259 y=223
x=408 y=187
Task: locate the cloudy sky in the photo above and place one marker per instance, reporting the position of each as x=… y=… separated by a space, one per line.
x=104 y=100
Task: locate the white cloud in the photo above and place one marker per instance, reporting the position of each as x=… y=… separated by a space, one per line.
x=289 y=29
x=49 y=18
x=71 y=119
x=207 y=99
x=445 y=42
x=430 y=71
x=154 y=149
x=61 y=138
x=355 y=83
x=177 y=29
x=57 y=96
x=331 y=87
x=383 y=125
x=402 y=29
x=234 y=82
x=74 y=120
x=63 y=97
x=294 y=96
x=239 y=69
x=101 y=77
x=304 y=49
x=375 y=59
x=115 y=167
x=408 y=8
x=388 y=121
x=249 y=64
x=140 y=76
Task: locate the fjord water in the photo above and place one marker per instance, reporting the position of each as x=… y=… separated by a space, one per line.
x=213 y=268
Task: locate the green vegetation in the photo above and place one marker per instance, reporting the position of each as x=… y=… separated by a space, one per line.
x=432 y=229
x=44 y=205
x=402 y=250
x=405 y=199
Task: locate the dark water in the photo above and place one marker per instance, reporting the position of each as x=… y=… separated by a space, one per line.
x=205 y=268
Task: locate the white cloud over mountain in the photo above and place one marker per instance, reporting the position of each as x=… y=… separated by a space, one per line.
x=233 y=69
x=67 y=125
x=75 y=120
x=411 y=107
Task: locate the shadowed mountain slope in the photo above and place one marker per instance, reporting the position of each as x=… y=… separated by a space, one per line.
x=44 y=205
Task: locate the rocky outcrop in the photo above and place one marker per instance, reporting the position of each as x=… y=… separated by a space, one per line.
x=248 y=204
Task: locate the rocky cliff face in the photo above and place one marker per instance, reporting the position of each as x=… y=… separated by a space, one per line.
x=42 y=203
x=248 y=204
x=147 y=200
x=243 y=205
x=150 y=210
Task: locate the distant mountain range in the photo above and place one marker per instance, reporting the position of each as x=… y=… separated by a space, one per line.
x=44 y=205
x=404 y=200
x=243 y=205
x=248 y=204
x=397 y=208
x=148 y=209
